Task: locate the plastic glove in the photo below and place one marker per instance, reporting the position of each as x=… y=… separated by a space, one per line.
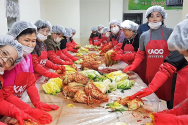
x=69 y=55
x=51 y=75
x=8 y=109
x=115 y=56
x=2 y=123
x=169 y=119
x=46 y=107
x=165 y=71
x=180 y=109
x=40 y=116
x=138 y=59
x=35 y=98
x=62 y=68
x=64 y=57
x=53 y=57
x=51 y=65
x=90 y=41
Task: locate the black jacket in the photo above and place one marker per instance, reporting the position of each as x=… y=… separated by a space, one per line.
x=135 y=44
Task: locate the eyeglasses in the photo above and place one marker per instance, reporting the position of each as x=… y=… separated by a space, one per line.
x=4 y=54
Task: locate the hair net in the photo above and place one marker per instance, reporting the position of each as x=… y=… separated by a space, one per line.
x=127 y=24
x=94 y=29
x=160 y=9
x=73 y=30
x=9 y=40
x=42 y=23
x=68 y=32
x=178 y=40
x=100 y=26
x=18 y=27
x=58 y=29
x=186 y=17
x=117 y=22
x=106 y=29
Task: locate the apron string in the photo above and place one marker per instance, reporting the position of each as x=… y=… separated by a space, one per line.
x=161 y=33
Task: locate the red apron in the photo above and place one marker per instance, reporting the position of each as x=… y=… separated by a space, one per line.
x=20 y=84
x=141 y=69
x=115 y=43
x=42 y=59
x=104 y=39
x=181 y=89
x=156 y=52
x=95 y=39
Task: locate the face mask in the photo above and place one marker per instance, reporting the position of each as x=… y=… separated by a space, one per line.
x=94 y=33
x=107 y=35
x=67 y=39
x=57 y=39
x=115 y=30
x=2 y=70
x=27 y=50
x=154 y=25
x=41 y=37
x=100 y=31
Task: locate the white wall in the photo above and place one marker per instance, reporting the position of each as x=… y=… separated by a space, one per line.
x=116 y=9
x=62 y=12
x=93 y=13
x=185 y=9
x=29 y=10
x=173 y=17
x=3 y=18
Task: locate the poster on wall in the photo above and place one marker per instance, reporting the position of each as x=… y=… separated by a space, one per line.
x=145 y=4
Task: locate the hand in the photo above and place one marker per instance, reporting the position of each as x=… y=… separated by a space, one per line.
x=129 y=68
x=74 y=58
x=20 y=116
x=46 y=107
x=67 y=63
x=142 y=93
x=62 y=68
x=52 y=75
x=115 y=56
x=41 y=116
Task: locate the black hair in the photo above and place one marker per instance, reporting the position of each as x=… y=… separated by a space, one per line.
x=1 y=46
x=150 y=16
x=42 y=27
x=27 y=31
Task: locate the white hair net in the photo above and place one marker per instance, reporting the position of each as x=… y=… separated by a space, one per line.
x=127 y=24
x=160 y=9
x=186 y=17
x=178 y=40
x=20 y=26
x=94 y=29
x=42 y=23
x=116 y=22
x=68 y=32
x=100 y=26
x=106 y=29
x=9 y=40
x=58 y=29
x=73 y=30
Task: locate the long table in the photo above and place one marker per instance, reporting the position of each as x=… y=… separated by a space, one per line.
x=82 y=114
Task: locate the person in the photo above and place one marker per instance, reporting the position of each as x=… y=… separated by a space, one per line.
x=175 y=62
x=53 y=46
x=41 y=64
x=71 y=44
x=64 y=41
x=10 y=54
x=153 y=46
x=95 y=36
x=105 y=36
x=143 y=28
x=100 y=28
x=130 y=47
x=117 y=37
x=21 y=78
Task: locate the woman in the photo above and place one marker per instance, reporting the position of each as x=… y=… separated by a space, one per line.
x=71 y=44
x=53 y=46
x=10 y=55
x=153 y=46
x=178 y=44
x=130 y=47
x=41 y=64
x=100 y=28
x=21 y=77
x=64 y=41
x=95 y=36
x=105 y=36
